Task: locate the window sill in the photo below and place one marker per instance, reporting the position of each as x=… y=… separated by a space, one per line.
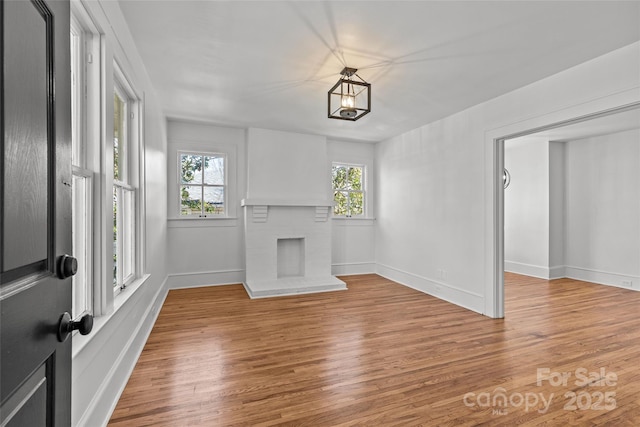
x=348 y=221
x=354 y=218
x=81 y=341
x=226 y=221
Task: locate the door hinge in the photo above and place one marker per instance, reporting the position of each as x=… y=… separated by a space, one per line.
x=89 y=58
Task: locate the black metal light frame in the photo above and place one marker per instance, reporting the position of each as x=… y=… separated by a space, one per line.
x=351 y=84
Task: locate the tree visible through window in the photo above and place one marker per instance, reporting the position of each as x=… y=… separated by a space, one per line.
x=202 y=184
x=348 y=190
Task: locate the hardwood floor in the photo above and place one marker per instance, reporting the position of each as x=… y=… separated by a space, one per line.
x=383 y=354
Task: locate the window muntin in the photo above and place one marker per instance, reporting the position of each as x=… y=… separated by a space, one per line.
x=348 y=190
x=202 y=184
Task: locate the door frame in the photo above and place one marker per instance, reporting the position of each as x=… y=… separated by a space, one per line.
x=628 y=100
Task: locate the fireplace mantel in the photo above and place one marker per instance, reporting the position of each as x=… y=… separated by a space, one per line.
x=286 y=202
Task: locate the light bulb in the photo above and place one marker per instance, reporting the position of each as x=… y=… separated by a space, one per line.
x=348 y=101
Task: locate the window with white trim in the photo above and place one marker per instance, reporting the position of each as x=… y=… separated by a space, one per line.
x=125 y=181
x=348 y=189
x=82 y=184
x=201 y=184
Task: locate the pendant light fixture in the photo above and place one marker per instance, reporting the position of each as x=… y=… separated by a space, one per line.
x=350 y=97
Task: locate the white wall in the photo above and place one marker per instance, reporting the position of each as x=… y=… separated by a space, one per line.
x=603 y=209
x=437 y=201
x=206 y=251
x=534 y=207
x=557 y=209
x=526 y=206
x=353 y=239
x=294 y=163
x=103 y=360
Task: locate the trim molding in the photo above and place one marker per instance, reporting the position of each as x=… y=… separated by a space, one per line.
x=538 y=271
x=104 y=402
x=352 y=268
x=205 y=278
x=469 y=300
x=603 y=277
x=600 y=277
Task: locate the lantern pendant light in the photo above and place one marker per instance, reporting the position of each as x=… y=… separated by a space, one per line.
x=350 y=97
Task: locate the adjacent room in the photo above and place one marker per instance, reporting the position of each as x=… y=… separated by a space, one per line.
x=321 y=212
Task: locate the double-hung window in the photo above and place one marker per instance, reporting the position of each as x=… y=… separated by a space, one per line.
x=124 y=183
x=107 y=171
x=201 y=184
x=348 y=190
x=82 y=183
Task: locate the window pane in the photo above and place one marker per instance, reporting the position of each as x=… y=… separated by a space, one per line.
x=128 y=233
x=80 y=203
x=75 y=98
x=340 y=198
x=355 y=178
x=214 y=170
x=214 y=200
x=356 y=204
x=190 y=200
x=119 y=135
x=339 y=176
x=190 y=169
x=115 y=236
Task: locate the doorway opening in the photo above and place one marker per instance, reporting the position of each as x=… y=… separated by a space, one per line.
x=577 y=128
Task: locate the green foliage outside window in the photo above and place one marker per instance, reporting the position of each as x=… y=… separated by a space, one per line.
x=348 y=190
x=119 y=112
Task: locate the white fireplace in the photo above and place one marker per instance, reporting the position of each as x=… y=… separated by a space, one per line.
x=287 y=215
x=288 y=248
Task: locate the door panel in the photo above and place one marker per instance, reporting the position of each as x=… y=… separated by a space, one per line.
x=28 y=405
x=26 y=148
x=35 y=218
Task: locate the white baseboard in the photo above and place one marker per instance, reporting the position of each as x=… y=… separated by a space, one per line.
x=352 y=268
x=103 y=403
x=557 y=272
x=577 y=273
x=603 y=277
x=538 y=271
x=205 y=278
x=452 y=294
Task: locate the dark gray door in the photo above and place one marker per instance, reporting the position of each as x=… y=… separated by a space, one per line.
x=35 y=219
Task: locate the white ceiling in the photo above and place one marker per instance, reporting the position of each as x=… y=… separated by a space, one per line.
x=270 y=63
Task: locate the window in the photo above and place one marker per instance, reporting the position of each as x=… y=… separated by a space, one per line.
x=107 y=186
x=348 y=190
x=201 y=184
x=124 y=183
x=82 y=200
